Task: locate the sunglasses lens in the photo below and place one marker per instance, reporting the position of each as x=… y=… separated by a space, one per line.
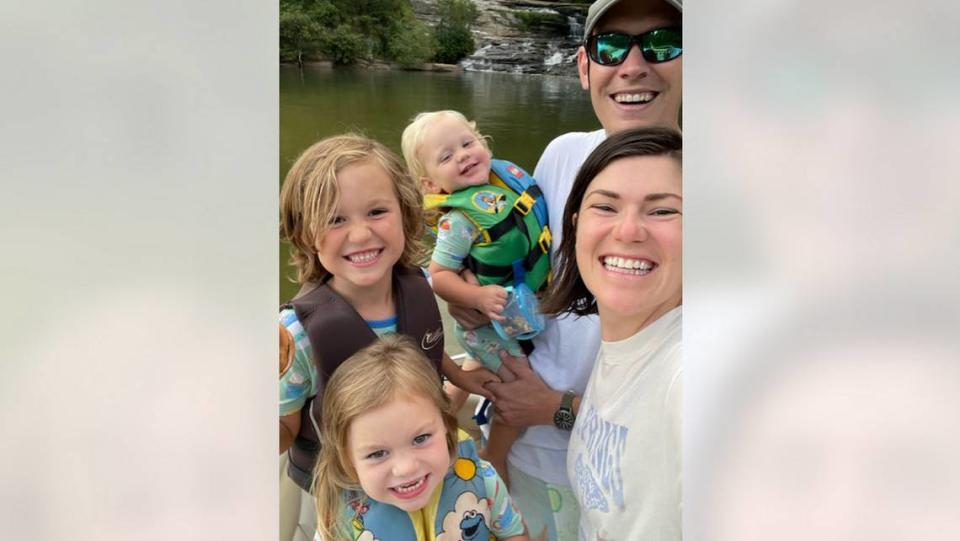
x=662 y=45
x=609 y=49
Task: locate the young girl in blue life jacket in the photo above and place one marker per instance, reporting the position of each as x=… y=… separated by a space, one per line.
x=390 y=437
x=353 y=218
x=487 y=227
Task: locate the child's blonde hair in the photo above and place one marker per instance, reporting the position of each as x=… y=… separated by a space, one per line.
x=413 y=137
x=391 y=367
x=310 y=196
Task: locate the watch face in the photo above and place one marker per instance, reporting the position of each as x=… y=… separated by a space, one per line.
x=563 y=419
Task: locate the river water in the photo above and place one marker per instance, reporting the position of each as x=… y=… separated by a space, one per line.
x=521 y=113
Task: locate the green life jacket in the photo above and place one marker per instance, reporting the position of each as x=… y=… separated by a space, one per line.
x=510 y=216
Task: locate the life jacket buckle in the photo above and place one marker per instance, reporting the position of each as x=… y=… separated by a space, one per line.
x=524 y=203
x=545 y=239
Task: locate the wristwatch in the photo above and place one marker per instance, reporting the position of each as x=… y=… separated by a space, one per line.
x=564 y=417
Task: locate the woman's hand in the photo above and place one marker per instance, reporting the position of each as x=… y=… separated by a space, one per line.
x=526 y=401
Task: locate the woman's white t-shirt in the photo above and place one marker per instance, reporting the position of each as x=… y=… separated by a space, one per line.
x=624 y=455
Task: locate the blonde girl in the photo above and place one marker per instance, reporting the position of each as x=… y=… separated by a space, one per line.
x=353 y=218
x=390 y=437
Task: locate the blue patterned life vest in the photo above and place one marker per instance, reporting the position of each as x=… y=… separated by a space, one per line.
x=459 y=509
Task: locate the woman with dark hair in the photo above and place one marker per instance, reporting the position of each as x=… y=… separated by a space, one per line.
x=621 y=258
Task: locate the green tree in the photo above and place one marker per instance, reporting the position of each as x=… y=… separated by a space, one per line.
x=299 y=34
x=302 y=25
x=452 y=34
x=343 y=45
x=348 y=30
x=411 y=44
x=376 y=20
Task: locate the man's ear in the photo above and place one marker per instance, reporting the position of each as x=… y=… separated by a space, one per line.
x=583 y=68
x=430 y=186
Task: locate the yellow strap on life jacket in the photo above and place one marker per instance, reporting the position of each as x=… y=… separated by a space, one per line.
x=545 y=239
x=524 y=203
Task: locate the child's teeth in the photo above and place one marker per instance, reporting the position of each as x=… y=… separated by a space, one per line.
x=410 y=487
x=364 y=256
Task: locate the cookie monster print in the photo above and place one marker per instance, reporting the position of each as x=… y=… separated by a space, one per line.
x=473 y=528
x=469 y=520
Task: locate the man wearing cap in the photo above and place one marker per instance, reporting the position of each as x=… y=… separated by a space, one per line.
x=630 y=64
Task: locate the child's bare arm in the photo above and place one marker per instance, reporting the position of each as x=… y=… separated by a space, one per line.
x=468 y=380
x=289 y=428
x=448 y=283
x=469 y=318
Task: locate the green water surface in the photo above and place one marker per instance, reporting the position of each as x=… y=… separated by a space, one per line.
x=521 y=114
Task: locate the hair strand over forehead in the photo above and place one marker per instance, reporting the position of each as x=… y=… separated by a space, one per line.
x=414 y=133
x=310 y=196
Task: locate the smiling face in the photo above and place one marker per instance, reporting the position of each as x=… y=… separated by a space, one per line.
x=400 y=452
x=453 y=156
x=635 y=93
x=364 y=238
x=629 y=240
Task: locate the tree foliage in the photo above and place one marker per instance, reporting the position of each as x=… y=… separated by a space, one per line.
x=300 y=32
x=346 y=31
x=411 y=45
x=452 y=34
x=344 y=45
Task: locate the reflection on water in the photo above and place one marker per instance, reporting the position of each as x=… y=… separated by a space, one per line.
x=520 y=113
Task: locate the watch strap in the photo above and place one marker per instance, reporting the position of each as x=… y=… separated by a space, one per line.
x=567 y=401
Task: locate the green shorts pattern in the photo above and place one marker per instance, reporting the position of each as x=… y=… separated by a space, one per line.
x=550 y=511
x=484 y=345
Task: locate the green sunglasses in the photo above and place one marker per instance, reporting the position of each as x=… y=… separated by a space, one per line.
x=656 y=46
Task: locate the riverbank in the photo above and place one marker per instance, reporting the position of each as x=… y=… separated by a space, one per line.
x=379 y=66
x=435 y=67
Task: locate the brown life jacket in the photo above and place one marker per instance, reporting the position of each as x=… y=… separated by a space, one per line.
x=336 y=331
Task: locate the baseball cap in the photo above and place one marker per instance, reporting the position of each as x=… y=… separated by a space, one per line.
x=598 y=8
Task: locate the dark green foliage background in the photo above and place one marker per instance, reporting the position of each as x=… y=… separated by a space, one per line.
x=346 y=31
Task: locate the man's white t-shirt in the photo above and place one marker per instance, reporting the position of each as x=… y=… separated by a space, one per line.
x=624 y=457
x=565 y=350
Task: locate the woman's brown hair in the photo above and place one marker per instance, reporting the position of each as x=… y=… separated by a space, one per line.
x=567 y=292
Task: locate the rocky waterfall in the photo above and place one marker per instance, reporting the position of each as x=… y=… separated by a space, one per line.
x=522 y=36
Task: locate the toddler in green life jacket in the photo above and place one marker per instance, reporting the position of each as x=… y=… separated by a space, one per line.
x=484 y=226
